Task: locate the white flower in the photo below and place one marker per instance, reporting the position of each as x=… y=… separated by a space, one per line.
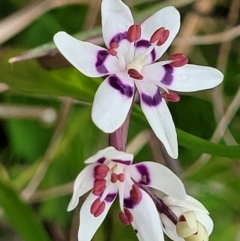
x=129 y=62
x=110 y=172
x=193 y=223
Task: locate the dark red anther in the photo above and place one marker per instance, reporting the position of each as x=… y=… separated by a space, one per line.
x=114 y=45
x=99 y=184
x=135 y=74
x=135 y=194
x=126 y=217
x=114 y=178
x=171 y=96
x=112 y=51
x=100 y=172
x=121 y=177
x=160 y=36
x=182 y=219
x=179 y=60
x=97 y=207
x=134 y=33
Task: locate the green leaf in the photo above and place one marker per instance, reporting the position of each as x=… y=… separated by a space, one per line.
x=30 y=77
x=195 y=143
x=20 y=215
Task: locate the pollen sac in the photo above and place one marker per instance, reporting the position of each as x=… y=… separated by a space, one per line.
x=99 y=186
x=97 y=207
x=171 y=96
x=101 y=171
x=179 y=60
x=112 y=51
x=134 y=33
x=114 y=178
x=135 y=194
x=160 y=36
x=135 y=74
x=126 y=217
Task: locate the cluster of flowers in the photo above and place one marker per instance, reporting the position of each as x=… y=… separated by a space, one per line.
x=129 y=63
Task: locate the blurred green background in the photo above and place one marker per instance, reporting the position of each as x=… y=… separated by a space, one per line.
x=46 y=131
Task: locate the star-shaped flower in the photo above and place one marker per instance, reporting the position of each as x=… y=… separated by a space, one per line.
x=194 y=222
x=110 y=172
x=129 y=62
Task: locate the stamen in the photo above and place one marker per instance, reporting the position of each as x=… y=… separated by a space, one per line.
x=135 y=74
x=126 y=217
x=134 y=33
x=182 y=219
x=100 y=172
x=171 y=96
x=179 y=60
x=114 y=45
x=160 y=36
x=121 y=177
x=135 y=194
x=112 y=51
x=97 y=207
x=114 y=178
x=99 y=186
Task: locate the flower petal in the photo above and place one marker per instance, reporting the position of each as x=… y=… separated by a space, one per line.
x=90 y=59
x=169 y=228
x=112 y=102
x=167 y=17
x=110 y=153
x=157 y=113
x=189 y=203
x=116 y=19
x=206 y=221
x=148 y=173
x=82 y=184
x=146 y=221
x=185 y=79
x=88 y=223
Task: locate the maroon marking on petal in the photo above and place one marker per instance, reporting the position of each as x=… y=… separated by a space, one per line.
x=110 y=197
x=101 y=57
x=117 y=84
x=101 y=160
x=122 y=162
x=146 y=44
x=119 y=37
x=168 y=77
x=145 y=177
x=152 y=100
x=128 y=203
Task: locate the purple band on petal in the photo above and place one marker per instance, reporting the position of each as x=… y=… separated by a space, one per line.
x=117 y=84
x=168 y=77
x=110 y=197
x=101 y=57
x=101 y=160
x=122 y=162
x=128 y=203
x=145 y=177
x=146 y=44
x=119 y=37
x=152 y=101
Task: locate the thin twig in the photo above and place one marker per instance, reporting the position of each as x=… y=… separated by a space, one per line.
x=47 y=159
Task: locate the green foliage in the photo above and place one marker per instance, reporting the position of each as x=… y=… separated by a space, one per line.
x=26 y=143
